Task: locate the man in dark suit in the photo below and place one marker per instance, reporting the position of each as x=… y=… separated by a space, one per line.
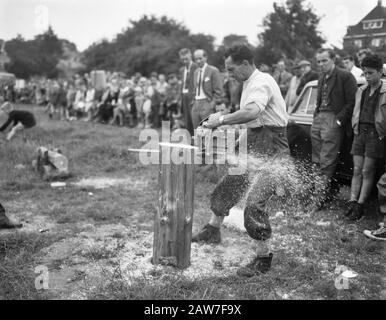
x=334 y=108
x=207 y=87
x=307 y=75
x=187 y=95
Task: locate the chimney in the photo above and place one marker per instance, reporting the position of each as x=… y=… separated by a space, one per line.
x=379 y=3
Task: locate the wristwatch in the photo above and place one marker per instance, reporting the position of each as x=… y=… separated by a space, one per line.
x=221 y=120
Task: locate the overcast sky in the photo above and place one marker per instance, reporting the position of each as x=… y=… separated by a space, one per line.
x=86 y=21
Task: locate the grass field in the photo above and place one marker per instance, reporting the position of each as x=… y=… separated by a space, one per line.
x=95 y=235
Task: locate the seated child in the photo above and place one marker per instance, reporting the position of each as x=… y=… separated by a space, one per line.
x=21 y=119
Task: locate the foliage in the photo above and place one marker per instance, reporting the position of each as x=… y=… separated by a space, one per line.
x=290 y=32
x=149 y=44
x=39 y=56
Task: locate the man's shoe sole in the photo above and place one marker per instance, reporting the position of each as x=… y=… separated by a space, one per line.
x=368 y=234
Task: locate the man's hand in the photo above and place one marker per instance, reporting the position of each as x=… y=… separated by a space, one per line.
x=213 y=121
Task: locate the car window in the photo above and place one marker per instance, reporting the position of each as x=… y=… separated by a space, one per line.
x=301 y=105
x=312 y=102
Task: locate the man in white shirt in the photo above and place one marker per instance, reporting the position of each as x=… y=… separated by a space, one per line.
x=350 y=66
x=263 y=110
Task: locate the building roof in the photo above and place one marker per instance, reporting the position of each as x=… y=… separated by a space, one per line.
x=358 y=30
x=378 y=13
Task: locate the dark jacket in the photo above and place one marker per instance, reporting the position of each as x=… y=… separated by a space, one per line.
x=212 y=84
x=309 y=76
x=189 y=79
x=341 y=94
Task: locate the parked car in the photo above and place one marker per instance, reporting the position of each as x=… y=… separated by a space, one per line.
x=299 y=133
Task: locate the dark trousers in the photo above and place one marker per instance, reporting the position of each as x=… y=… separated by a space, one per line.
x=326 y=138
x=155 y=119
x=3 y=217
x=187 y=103
x=200 y=111
x=232 y=188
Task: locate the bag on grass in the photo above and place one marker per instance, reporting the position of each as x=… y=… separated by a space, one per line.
x=51 y=164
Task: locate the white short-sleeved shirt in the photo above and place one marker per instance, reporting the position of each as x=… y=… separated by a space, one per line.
x=262 y=89
x=357 y=72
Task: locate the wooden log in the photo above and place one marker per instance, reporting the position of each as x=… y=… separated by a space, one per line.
x=185 y=222
x=174 y=218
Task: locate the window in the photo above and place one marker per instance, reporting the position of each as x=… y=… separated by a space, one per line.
x=301 y=105
x=358 y=43
x=306 y=103
x=376 y=42
x=312 y=103
x=372 y=25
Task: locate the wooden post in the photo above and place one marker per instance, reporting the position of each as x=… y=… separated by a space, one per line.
x=174 y=218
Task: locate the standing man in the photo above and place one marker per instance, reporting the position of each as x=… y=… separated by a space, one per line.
x=263 y=110
x=187 y=94
x=292 y=95
x=350 y=66
x=282 y=77
x=363 y=53
x=369 y=126
x=334 y=108
x=232 y=93
x=207 y=87
x=307 y=75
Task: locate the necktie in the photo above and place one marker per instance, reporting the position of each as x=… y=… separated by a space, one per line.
x=186 y=78
x=199 y=83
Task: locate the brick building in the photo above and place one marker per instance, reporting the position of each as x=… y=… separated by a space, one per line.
x=370 y=32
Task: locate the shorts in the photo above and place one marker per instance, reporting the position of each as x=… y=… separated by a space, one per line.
x=368 y=144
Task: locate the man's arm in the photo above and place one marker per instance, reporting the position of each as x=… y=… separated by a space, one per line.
x=349 y=91
x=245 y=115
x=255 y=104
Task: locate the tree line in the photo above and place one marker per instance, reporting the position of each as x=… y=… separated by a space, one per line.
x=152 y=43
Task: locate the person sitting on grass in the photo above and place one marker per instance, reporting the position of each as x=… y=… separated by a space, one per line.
x=5 y=222
x=21 y=119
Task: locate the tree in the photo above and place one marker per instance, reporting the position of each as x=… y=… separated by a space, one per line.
x=149 y=44
x=50 y=52
x=22 y=55
x=291 y=32
x=39 y=56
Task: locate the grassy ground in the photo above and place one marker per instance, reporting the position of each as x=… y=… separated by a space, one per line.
x=97 y=242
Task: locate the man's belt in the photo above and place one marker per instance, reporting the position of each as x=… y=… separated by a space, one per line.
x=268 y=127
